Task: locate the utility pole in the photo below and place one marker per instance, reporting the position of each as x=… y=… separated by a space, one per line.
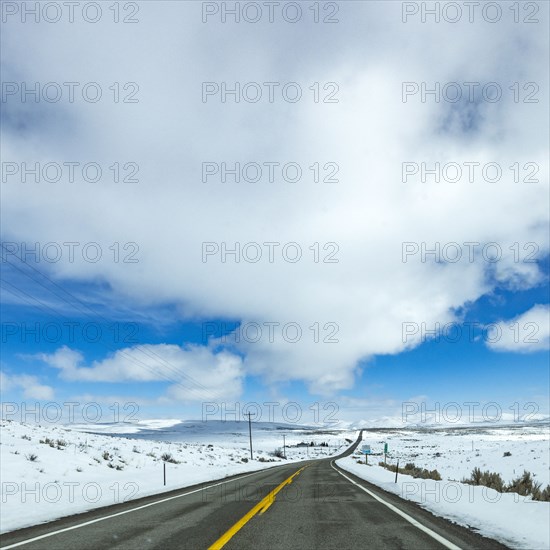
x=284 y=447
x=250 y=435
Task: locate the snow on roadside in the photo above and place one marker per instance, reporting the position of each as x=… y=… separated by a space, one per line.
x=48 y=472
x=517 y=521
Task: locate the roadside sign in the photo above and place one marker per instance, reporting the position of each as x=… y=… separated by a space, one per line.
x=365 y=449
x=385 y=448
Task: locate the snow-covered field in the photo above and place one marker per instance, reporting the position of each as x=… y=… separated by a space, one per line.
x=517 y=521
x=49 y=471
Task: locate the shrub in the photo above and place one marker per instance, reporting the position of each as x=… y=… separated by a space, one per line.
x=279 y=453
x=523 y=485
x=31 y=457
x=27 y=437
x=489 y=479
x=167 y=457
x=412 y=470
x=541 y=495
x=507 y=453
x=244 y=459
x=106 y=455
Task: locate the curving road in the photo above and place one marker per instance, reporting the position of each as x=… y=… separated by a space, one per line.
x=309 y=505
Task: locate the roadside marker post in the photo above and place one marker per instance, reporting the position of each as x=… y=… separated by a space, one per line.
x=396 y=470
x=250 y=435
x=164 y=470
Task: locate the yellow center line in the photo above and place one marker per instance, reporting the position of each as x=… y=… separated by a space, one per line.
x=260 y=508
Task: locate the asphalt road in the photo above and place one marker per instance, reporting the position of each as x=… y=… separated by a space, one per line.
x=304 y=506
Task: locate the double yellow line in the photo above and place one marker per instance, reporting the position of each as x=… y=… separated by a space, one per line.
x=260 y=508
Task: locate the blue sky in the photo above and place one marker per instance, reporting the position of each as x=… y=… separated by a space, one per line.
x=340 y=253
x=458 y=368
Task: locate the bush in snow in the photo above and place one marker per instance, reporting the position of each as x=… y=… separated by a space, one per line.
x=31 y=457
x=167 y=457
x=525 y=485
x=411 y=469
x=541 y=495
x=489 y=479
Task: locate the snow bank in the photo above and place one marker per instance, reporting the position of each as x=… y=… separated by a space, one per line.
x=516 y=521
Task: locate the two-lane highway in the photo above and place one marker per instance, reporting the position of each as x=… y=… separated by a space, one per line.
x=309 y=505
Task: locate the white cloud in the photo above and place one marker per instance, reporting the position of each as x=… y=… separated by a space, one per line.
x=29 y=385
x=195 y=373
x=369 y=133
x=526 y=333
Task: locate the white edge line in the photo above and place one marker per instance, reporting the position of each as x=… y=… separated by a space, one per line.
x=52 y=533
x=418 y=525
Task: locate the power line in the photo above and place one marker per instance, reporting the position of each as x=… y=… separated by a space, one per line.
x=147 y=352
